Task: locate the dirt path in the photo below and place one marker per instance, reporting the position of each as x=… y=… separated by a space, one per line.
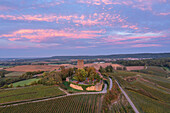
x=130 y=102
x=64 y=91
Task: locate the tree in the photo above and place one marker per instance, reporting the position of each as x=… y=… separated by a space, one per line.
x=51 y=78
x=118 y=68
x=109 y=69
x=92 y=74
x=80 y=75
x=70 y=72
x=2 y=74
x=102 y=70
x=11 y=86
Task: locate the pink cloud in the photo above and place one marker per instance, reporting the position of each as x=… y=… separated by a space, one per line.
x=146 y=45
x=164 y=14
x=123 y=38
x=38 y=35
x=14 y=39
x=130 y=26
x=80 y=47
x=138 y=4
x=85 y=20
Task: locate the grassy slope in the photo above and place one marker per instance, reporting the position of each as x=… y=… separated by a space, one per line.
x=71 y=104
x=32 y=92
x=25 y=82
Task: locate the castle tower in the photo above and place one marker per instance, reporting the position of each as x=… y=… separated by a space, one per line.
x=80 y=64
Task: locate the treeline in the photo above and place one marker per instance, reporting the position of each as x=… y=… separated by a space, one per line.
x=3 y=72
x=163 y=62
x=110 y=69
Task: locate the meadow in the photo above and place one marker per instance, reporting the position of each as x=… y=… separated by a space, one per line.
x=31 y=92
x=70 y=104
x=25 y=82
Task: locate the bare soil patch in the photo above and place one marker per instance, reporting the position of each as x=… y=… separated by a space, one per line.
x=30 y=68
x=130 y=68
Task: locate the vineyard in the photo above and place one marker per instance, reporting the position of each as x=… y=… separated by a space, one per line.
x=70 y=104
x=32 y=92
x=148 y=105
x=154 y=70
x=150 y=93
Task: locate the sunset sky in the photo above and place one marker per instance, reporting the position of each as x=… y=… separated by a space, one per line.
x=38 y=28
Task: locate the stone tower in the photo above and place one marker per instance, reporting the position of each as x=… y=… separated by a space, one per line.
x=80 y=64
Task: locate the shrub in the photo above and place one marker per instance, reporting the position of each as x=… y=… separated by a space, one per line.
x=5 y=86
x=63 y=86
x=18 y=86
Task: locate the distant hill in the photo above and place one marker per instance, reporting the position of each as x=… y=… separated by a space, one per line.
x=140 y=55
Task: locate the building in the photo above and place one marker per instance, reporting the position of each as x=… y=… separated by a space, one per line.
x=80 y=64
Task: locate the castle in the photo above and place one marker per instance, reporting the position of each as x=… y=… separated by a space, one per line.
x=80 y=64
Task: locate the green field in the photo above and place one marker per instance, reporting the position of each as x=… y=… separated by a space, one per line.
x=71 y=104
x=4 y=66
x=14 y=74
x=150 y=93
x=32 y=92
x=24 y=82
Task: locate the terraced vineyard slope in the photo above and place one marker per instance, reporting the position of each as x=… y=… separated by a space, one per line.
x=70 y=104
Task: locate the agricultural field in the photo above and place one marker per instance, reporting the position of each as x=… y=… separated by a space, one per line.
x=13 y=74
x=25 y=82
x=70 y=104
x=150 y=93
x=32 y=92
x=31 y=68
x=130 y=68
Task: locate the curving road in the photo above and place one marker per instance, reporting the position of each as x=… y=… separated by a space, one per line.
x=111 y=84
x=67 y=94
x=130 y=102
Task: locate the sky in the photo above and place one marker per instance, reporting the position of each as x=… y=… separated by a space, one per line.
x=38 y=28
